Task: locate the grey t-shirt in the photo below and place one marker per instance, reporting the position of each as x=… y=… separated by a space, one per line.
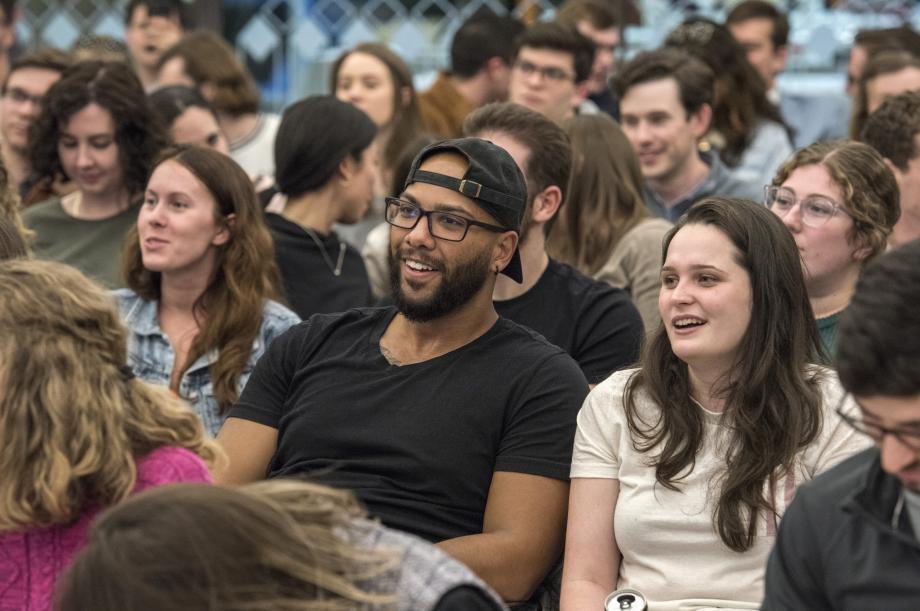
x=912 y=502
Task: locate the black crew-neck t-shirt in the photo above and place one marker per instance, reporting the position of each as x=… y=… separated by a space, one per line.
x=595 y=323
x=309 y=282
x=418 y=443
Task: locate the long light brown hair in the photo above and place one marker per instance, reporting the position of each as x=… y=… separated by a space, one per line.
x=229 y=312
x=604 y=194
x=72 y=423
x=278 y=545
x=772 y=401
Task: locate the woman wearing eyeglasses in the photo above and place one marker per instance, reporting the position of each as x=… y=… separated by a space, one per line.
x=840 y=201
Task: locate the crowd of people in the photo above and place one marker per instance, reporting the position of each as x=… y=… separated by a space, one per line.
x=563 y=331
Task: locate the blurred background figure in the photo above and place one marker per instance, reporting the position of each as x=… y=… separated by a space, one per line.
x=9 y=14
x=600 y=22
x=103 y=48
x=188 y=118
x=97 y=132
x=205 y=61
x=605 y=230
x=886 y=74
x=151 y=27
x=80 y=433
x=747 y=129
x=868 y=43
x=480 y=68
x=24 y=88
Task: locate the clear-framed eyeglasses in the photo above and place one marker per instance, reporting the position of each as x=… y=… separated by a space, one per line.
x=816 y=210
x=442 y=225
x=909 y=437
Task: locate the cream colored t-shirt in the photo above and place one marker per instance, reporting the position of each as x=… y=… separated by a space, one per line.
x=670 y=548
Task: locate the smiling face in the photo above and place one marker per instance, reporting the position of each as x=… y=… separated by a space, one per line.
x=177 y=225
x=661 y=132
x=366 y=82
x=829 y=257
x=89 y=153
x=432 y=277
x=705 y=300
x=19 y=107
x=197 y=126
x=901 y=414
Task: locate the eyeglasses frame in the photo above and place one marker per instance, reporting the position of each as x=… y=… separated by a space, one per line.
x=395 y=201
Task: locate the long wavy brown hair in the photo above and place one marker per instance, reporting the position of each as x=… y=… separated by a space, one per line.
x=604 y=194
x=772 y=400
x=72 y=423
x=279 y=545
x=229 y=311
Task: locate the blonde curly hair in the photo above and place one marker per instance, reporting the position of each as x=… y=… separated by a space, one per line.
x=73 y=421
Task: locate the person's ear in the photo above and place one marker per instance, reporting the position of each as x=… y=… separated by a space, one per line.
x=546 y=205
x=208 y=91
x=894 y=169
x=405 y=95
x=504 y=249
x=580 y=94
x=700 y=120
x=224 y=230
x=346 y=168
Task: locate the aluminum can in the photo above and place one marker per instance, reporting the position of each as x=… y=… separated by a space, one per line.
x=625 y=599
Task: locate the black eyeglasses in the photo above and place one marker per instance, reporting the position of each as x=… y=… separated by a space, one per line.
x=909 y=438
x=547 y=73
x=442 y=225
x=20 y=96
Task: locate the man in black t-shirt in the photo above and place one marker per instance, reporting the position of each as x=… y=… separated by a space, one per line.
x=446 y=420
x=595 y=323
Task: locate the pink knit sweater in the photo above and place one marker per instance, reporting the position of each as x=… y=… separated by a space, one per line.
x=30 y=561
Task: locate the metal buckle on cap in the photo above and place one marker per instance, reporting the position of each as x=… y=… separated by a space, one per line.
x=465 y=182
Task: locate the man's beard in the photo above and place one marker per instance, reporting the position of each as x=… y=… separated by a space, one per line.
x=456 y=288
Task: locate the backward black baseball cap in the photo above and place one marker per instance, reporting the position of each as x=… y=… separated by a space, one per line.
x=493 y=180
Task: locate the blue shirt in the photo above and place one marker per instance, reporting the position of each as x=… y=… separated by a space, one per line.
x=152 y=356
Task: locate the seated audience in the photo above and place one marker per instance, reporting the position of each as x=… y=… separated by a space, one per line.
x=894 y=131
x=886 y=74
x=605 y=231
x=326 y=167
x=599 y=21
x=480 y=68
x=666 y=109
x=595 y=323
x=446 y=420
x=763 y=31
x=152 y=27
x=746 y=127
x=868 y=43
x=552 y=63
x=851 y=538
x=205 y=61
x=78 y=432
x=378 y=82
x=96 y=130
x=25 y=86
x=840 y=202
x=200 y=275
x=188 y=118
x=273 y=545
x=683 y=467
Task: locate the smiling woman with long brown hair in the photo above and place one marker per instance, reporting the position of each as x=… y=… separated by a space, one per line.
x=682 y=468
x=201 y=274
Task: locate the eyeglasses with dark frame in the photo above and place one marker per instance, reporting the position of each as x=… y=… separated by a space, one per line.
x=908 y=438
x=816 y=210
x=21 y=96
x=547 y=73
x=442 y=225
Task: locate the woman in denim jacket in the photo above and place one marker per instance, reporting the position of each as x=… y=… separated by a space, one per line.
x=201 y=273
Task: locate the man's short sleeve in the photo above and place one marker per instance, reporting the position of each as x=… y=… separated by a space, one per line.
x=264 y=396
x=541 y=423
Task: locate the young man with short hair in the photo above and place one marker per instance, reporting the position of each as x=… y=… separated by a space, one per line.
x=552 y=63
x=597 y=21
x=894 y=131
x=446 y=420
x=851 y=538
x=151 y=27
x=665 y=109
x=25 y=85
x=480 y=59
x=763 y=30
x=595 y=323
